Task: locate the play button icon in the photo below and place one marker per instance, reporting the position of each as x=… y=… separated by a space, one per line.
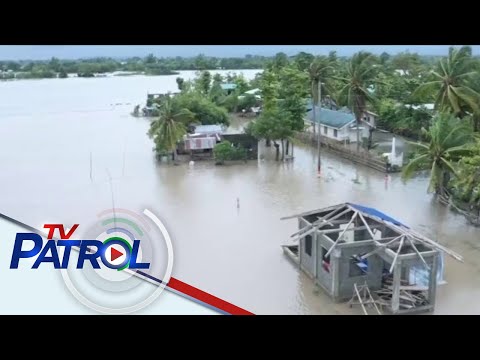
x=115 y=254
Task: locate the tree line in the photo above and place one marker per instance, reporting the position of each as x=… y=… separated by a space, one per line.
x=400 y=89
x=149 y=65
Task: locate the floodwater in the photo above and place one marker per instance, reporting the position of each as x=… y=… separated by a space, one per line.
x=51 y=128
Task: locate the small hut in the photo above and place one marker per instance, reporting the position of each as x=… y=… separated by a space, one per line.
x=348 y=246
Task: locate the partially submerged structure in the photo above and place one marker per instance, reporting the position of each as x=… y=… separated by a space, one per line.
x=348 y=246
x=201 y=140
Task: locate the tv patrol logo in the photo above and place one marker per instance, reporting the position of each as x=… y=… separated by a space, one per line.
x=111 y=265
x=115 y=252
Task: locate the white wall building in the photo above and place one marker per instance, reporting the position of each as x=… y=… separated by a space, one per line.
x=340 y=125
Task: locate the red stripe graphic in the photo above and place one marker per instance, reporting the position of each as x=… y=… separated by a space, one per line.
x=207 y=298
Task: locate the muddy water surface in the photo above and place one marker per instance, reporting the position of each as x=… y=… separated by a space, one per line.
x=50 y=128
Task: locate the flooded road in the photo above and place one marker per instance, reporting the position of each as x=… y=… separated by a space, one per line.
x=50 y=129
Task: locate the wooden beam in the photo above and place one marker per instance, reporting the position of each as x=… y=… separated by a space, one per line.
x=305 y=234
x=380 y=247
x=332 y=218
x=311 y=212
x=418 y=252
x=341 y=234
x=333 y=231
x=374 y=302
x=366 y=224
x=396 y=289
x=305 y=228
x=413 y=256
x=428 y=242
x=360 y=299
x=396 y=255
x=319 y=223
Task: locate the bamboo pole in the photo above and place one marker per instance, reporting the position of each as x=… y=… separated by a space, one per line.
x=341 y=234
x=396 y=255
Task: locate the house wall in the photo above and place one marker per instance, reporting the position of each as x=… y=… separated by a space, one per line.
x=352 y=133
x=338 y=281
x=324 y=278
x=371 y=119
x=307 y=262
x=330 y=133
x=345 y=282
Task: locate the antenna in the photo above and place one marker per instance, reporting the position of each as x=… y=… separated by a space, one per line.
x=124 y=151
x=91 y=176
x=113 y=200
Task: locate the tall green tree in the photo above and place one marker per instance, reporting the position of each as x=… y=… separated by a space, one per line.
x=360 y=74
x=319 y=72
x=292 y=94
x=180 y=82
x=466 y=185
x=169 y=128
x=203 y=82
x=303 y=60
x=273 y=125
x=448 y=139
x=451 y=83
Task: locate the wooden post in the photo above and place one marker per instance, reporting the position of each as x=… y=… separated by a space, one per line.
x=396 y=287
x=300 y=247
x=432 y=284
x=317 y=253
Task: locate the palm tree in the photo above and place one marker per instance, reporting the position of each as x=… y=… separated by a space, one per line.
x=319 y=71
x=359 y=75
x=452 y=83
x=449 y=140
x=170 y=127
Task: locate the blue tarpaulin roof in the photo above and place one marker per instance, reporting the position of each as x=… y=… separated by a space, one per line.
x=375 y=212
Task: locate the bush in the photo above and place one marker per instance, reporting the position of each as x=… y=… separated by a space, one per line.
x=225 y=151
x=205 y=111
x=247 y=102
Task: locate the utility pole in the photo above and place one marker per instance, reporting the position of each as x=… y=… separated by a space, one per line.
x=319 y=166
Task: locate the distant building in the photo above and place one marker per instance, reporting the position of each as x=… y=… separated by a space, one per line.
x=421 y=106
x=201 y=140
x=340 y=125
x=228 y=88
x=208 y=130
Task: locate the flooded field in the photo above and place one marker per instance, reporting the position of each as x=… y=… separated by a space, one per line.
x=51 y=128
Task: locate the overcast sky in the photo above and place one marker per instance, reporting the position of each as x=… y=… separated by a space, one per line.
x=41 y=52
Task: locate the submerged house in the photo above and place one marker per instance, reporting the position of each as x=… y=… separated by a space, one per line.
x=346 y=246
x=340 y=125
x=201 y=140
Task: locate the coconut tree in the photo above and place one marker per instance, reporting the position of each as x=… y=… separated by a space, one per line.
x=448 y=140
x=451 y=83
x=169 y=127
x=358 y=76
x=319 y=71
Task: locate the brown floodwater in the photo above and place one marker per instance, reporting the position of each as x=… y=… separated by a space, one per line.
x=50 y=129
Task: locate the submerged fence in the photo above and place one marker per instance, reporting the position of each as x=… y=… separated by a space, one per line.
x=363 y=156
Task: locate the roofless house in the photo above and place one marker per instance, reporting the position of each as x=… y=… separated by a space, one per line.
x=348 y=247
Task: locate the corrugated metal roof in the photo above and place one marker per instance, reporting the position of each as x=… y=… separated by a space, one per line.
x=332 y=118
x=229 y=86
x=208 y=129
x=375 y=212
x=253 y=91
